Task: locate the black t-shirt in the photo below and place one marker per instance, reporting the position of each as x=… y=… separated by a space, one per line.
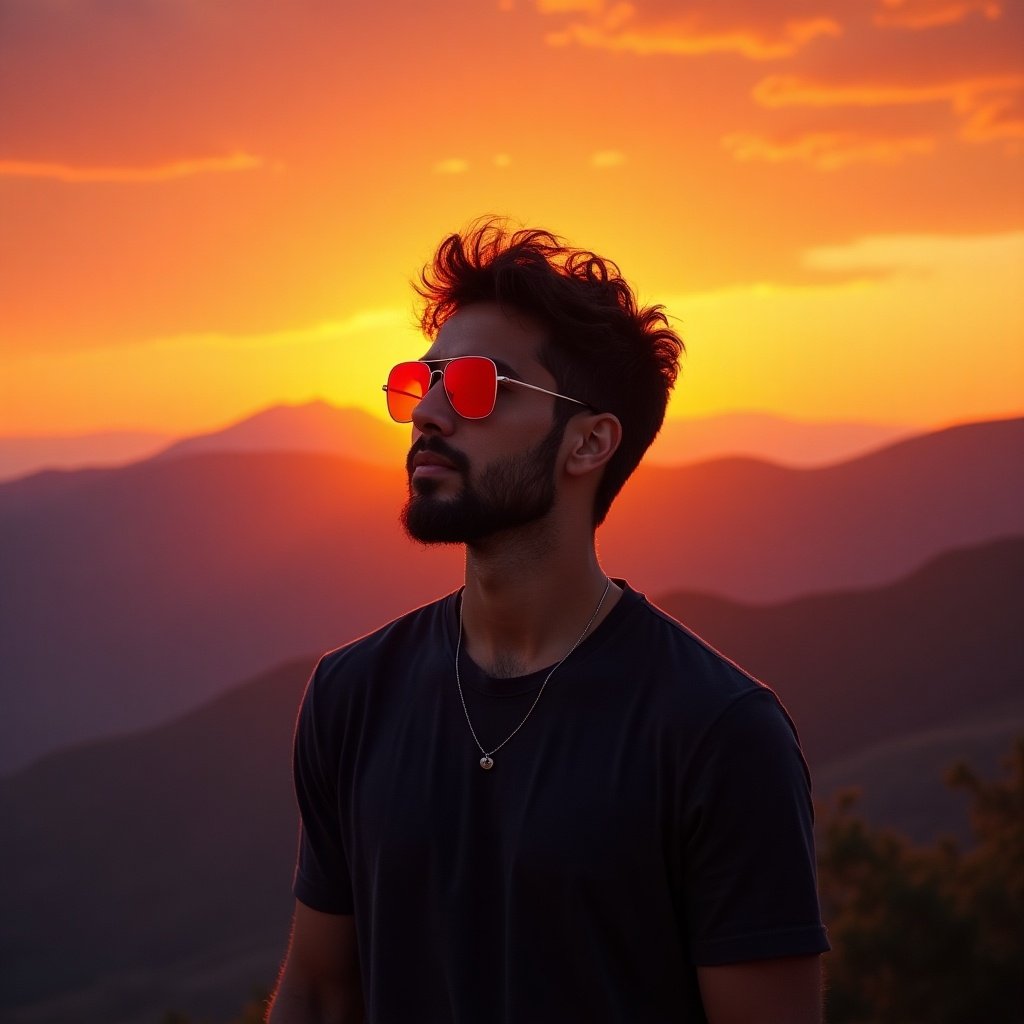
x=652 y=815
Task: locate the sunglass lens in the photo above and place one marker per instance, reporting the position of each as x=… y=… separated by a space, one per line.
x=471 y=385
x=407 y=384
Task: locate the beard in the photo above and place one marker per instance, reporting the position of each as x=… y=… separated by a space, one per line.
x=513 y=491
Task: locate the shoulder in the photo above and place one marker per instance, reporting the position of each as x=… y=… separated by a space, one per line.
x=684 y=670
x=735 y=725
x=427 y=620
x=345 y=672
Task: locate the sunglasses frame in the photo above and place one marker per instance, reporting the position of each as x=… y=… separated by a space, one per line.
x=499 y=378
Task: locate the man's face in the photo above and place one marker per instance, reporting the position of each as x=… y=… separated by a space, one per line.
x=471 y=479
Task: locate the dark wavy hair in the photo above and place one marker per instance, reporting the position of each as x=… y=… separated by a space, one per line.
x=601 y=347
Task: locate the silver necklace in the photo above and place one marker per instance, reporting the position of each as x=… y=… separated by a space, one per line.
x=487 y=761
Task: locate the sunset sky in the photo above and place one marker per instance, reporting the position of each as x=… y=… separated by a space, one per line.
x=212 y=206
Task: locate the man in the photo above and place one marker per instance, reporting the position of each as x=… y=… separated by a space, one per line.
x=540 y=798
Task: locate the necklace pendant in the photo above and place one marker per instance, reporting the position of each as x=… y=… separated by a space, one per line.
x=487 y=762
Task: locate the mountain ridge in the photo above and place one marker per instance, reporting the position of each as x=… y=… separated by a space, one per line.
x=321 y=426
x=154 y=585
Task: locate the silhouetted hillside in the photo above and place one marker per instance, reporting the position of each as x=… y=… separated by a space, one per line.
x=167 y=856
x=321 y=427
x=858 y=668
x=141 y=592
x=133 y=594
x=769 y=438
x=352 y=433
x=20 y=456
x=756 y=532
x=21 y=498
x=316 y=427
x=135 y=866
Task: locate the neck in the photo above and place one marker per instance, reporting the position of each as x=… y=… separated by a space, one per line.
x=527 y=600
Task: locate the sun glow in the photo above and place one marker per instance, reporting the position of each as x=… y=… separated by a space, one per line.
x=831 y=209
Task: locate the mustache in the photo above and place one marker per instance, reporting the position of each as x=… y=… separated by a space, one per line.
x=440 y=447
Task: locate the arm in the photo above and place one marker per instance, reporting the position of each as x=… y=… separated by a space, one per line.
x=753 y=905
x=320 y=981
x=785 y=990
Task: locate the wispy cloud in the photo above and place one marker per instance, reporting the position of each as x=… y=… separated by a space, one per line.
x=796 y=91
x=112 y=174
x=569 y=6
x=288 y=339
x=988 y=106
x=223 y=375
x=608 y=158
x=759 y=31
x=622 y=27
x=996 y=117
x=451 y=165
x=827 y=151
x=985 y=254
x=923 y=14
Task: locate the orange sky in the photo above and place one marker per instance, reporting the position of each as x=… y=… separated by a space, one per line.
x=210 y=207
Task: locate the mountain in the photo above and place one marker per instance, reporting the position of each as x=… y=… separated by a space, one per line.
x=321 y=427
x=167 y=856
x=314 y=427
x=20 y=456
x=770 y=438
x=352 y=433
x=131 y=595
x=860 y=669
x=138 y=593
x=758 y=532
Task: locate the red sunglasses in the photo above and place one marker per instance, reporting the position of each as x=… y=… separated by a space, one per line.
x=470 y=382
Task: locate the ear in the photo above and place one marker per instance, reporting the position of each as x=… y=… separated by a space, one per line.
x=594 y=440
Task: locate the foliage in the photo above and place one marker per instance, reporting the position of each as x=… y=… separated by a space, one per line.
x=927 y=935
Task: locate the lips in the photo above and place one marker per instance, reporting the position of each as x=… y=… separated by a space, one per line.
x=431 y=459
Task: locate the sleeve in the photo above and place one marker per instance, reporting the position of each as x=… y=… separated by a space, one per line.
x=322 y=878
x=749 y=869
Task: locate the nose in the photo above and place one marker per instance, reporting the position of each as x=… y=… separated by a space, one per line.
x=433 y=413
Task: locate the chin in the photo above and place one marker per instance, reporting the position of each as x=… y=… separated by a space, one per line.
x=429 y=519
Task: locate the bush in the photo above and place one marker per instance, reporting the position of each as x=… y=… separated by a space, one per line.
x=927 y=935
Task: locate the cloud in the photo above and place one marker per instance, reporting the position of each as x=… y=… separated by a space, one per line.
x=918 y=323
x=795 y=91
x=622 y=27
x=569 y=6
x=452 y=165
x=223 y=375
x=988 y=106
x=289 y=339
x=608 y=158
x=162 y=172
x=827 y=151
x=382 y=321
x=1000 y=254
x=997 y=117
x=922 y=14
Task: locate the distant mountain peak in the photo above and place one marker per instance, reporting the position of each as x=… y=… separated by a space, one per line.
x=318 y=425
x=315 y=426
x=771 y=438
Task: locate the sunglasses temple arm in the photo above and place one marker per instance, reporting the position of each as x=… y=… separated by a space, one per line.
x=533 y=387
x=399 y=391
